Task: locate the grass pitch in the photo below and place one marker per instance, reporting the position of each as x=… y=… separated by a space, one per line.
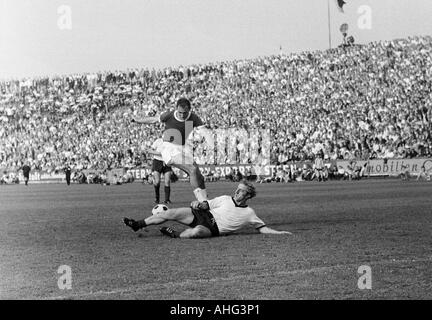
x=338 y=227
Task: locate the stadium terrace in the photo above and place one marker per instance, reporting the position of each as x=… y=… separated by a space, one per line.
x=361 y=102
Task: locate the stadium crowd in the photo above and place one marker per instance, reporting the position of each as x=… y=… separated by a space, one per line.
x=361 y=102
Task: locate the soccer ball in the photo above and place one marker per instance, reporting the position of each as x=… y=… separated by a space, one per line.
x=159 y=208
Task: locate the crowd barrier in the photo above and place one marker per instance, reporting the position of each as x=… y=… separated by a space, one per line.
x=374 y=168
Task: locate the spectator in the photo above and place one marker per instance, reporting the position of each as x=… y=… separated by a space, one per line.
x=352 y=102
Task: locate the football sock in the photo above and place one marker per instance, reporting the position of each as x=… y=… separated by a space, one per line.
x=200 y=194
x=142 y=223
x=157 y=195
x=167 y=193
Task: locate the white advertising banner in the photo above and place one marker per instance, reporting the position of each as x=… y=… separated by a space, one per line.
x=389 y=167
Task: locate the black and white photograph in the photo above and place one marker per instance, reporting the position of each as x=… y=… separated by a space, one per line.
x=234 y=152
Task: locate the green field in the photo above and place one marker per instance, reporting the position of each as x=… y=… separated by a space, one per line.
x=337 y=226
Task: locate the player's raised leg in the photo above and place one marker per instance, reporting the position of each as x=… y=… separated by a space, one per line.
x=181 y=215
x=196 y=180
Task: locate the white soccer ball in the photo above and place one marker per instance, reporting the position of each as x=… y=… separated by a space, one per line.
x=159 y=208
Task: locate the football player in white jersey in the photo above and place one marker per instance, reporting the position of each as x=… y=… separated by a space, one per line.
x=219 y=216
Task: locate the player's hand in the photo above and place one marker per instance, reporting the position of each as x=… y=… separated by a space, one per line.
x=195 y=204
x=203 y=205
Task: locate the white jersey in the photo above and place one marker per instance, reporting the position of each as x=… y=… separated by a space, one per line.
x=157 y=146
x=230 y=217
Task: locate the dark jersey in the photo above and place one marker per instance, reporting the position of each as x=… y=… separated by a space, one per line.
x=173 y=126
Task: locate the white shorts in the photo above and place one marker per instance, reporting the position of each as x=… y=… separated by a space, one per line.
x=173 y=154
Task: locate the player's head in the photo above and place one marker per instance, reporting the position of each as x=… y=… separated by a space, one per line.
x=183 y=108
x=245 y=191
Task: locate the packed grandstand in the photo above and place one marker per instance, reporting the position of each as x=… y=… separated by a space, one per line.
x=363 y=102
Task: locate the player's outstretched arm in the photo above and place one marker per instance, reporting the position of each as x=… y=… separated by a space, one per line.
x=267 y=230
x=145 y=120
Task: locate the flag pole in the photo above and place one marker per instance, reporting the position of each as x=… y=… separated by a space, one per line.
x=329 y=32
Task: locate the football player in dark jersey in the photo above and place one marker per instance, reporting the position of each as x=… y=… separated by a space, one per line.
x=175 y=149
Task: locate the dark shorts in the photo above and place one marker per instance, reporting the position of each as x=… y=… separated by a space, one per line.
x=206 y=219
x=160 y=166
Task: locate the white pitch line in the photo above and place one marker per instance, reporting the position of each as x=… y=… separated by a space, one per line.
x=149 y=286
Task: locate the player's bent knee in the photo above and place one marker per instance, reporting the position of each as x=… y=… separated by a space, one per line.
x=182 y=167
x=190 y=169
x=197 y=232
